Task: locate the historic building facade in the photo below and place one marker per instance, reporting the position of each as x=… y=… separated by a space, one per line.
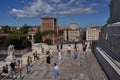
x=73 y=33
x=61 y=35
x=49 y=23
x=31 y=33
x=108 y=49
x=92 y=33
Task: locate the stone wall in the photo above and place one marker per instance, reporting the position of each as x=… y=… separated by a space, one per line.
x=110 y=41
x=109 y=71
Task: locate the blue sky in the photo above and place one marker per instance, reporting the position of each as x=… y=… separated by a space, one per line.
x=82 y=12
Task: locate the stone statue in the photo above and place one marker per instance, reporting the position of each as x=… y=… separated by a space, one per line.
x=10 y=49
x=10 y=57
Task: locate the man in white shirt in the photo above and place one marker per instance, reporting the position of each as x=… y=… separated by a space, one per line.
x=69 y=48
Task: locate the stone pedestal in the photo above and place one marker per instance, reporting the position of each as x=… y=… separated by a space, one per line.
x=9 y=58
x=110 y=40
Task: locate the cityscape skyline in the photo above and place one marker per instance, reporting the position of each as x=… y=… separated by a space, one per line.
x=82 y=12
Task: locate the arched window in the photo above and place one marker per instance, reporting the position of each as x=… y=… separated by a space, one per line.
x=30 y=37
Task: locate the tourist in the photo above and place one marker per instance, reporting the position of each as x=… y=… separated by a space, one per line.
x=75 y=45
x=12 y=65
x=84 y=46
x=5 y=71
x=55 y=72
x=29 y=60
x=35 y=55
x=69 y=48
x=48 y=61
x=51 y=52
x=68 y=51
x=61 y=46
x=57 y=46
x=59 y=55
x=18 y=64
x=75 y=54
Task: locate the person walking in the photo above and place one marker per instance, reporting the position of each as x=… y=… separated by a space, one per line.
x=55 y=71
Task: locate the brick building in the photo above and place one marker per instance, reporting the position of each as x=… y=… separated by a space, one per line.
x=49 y=23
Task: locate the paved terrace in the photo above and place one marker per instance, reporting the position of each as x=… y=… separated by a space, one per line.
x=85 y=67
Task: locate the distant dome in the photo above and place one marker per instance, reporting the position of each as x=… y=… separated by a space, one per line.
x=73 y=26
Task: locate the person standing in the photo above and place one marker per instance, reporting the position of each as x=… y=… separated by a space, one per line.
x=35 y=55
x=55 y=72
x=12 y=65
x=59 y=55
x=18 y=64
x=5 y=70
x=48 y=61
x=75 y=54
x=69 y=48
x=75 y=45
x=68 y=54
x=83 y=45
x=61 y=46
x=57 y=46
x=29 y=60
x=51 y=52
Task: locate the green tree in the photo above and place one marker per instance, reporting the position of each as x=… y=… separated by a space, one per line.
x=49 y=32
x=15 y=30
x=20 y=41
x=38 y=37
x=5 y=29
x=25 y=29
x=48 y=41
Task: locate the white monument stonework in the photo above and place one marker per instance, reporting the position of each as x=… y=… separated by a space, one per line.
x=40 y=48
x=10 y=54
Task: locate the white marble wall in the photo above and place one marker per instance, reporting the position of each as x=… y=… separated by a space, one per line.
x=40 y=48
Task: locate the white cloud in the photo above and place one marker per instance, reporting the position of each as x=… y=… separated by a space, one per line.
x=35 y=9
x=55 y=1
x=41 y=7
x=107 y=0
x=77 y=11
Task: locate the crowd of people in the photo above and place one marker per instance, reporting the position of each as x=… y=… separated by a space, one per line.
x=16 y=65
x=11 y=68
x=60 y=53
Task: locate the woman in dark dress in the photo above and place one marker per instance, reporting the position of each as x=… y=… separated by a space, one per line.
x=48 y=61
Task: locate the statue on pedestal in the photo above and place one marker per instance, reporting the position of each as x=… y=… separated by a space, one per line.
x=10 y=53
x=10 y=49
